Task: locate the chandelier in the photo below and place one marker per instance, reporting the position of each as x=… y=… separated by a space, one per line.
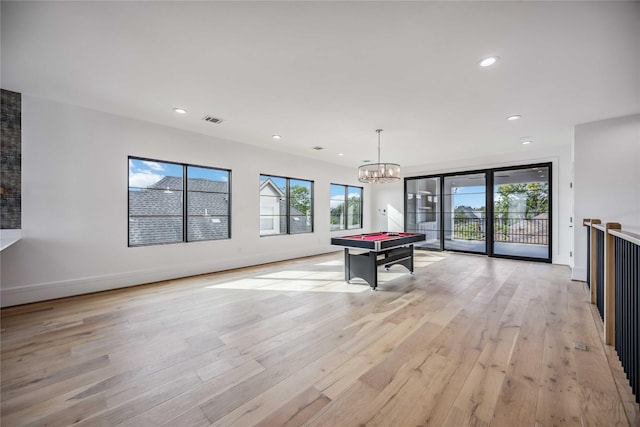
x=379 y=172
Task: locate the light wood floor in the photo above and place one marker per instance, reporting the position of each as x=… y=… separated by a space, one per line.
x=467 y=340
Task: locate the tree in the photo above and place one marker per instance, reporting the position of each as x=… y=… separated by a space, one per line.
x=537 y=199
x=353 y=210
x=516 y=201
x=336 y=214
x=300 y=199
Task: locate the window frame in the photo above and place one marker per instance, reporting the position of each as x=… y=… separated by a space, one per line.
x=345 y=223
x=185 y=202
x=287 y=200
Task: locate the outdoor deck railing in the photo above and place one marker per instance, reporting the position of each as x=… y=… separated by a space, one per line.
x=532 y=231
x=521 y=230
x=613 y=277
x=469 y=229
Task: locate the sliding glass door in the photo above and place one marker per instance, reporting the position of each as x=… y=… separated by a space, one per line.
x=465 y=225
x=502 y=212
x=521 y=212
x=422 y=207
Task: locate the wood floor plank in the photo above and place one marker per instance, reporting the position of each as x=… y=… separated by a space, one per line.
x=518 y=397
x=558 y=396
x=479 y=394
x=181 y=407
x=297 y=410
x=465 y=341
x=266 y=403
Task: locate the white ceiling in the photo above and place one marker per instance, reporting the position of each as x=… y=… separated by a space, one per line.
x=330 y=73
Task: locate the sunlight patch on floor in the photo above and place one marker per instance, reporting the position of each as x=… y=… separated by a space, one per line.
x=288 y=274
x=250 y=283
x=292 y=280
x=334 y=263
x=421 y=259
x=323 y=280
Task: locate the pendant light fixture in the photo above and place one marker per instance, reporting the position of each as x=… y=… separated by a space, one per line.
x=379 y=172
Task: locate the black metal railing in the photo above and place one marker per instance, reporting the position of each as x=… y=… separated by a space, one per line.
x=614 y=256
x=469 y=229
x=627 y=303
x=600 y=272
x=534 y=231
x=522 y=227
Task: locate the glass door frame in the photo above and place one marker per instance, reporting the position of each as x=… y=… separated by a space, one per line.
x=445 y=211
x=489 y=208
x=549 y=167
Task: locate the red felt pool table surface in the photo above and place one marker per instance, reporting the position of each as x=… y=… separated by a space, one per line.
x=378 y=241
x=378 y=236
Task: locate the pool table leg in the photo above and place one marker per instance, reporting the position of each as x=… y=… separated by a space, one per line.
x=411 y=250
x=347 y=266
x=361 y=265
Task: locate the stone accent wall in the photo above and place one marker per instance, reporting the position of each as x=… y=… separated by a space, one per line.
x=10 y=159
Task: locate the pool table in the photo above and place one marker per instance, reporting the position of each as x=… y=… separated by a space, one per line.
x=384 y=248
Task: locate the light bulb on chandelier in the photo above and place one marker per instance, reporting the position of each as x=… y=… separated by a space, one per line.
x=375 y=173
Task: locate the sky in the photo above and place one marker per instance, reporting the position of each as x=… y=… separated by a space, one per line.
x=337 y=194
x=469 y=196
x=143 y=173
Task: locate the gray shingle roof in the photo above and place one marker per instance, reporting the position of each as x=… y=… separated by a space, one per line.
x=155 y=212
x=193 y=184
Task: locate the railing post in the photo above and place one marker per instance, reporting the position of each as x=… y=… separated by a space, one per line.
x=609 y=283
x=586 y=222
x=593 y=251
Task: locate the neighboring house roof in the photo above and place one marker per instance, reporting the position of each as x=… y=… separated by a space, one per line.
x=193 y=184
x=469 y=212
x=269 y=183
x=156 y=211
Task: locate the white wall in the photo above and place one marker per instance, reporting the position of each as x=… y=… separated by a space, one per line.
x=390 y=196
x=74 y=204
x=607 y=178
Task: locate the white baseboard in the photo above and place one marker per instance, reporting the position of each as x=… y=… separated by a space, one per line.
x=86 y=285
x=579 y=274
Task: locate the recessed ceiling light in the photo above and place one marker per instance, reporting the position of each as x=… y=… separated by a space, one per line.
x=526 y=141
x=340 y=154
x=514 y=117
x=180 y=110
x=276 y=136
x=488 y=61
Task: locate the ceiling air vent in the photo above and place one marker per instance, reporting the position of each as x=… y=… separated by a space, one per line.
x=212 y=119
x=317 y=148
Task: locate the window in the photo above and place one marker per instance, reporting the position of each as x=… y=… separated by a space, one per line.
x=207 y=204
x=346 y=207
x=286 y=205
x=158 y=213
